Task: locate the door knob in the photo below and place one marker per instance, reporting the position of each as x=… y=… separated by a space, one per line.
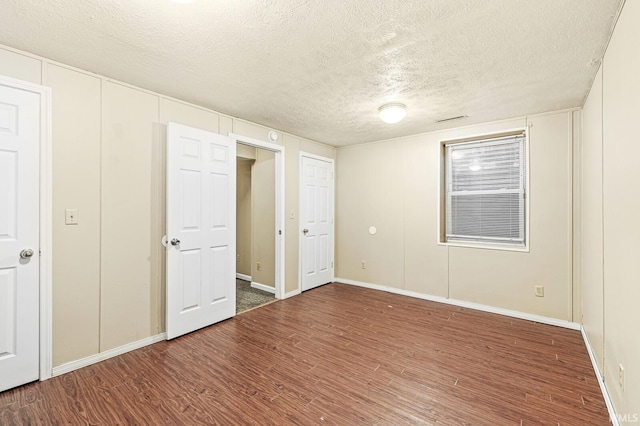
x=26 y=253
x=305 y=231
x=175 y=242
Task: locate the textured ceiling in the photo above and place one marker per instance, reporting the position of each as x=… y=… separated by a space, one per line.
x=321 y=69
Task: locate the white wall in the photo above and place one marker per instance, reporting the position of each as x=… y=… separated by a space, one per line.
x=610 y=213
x=394 y=185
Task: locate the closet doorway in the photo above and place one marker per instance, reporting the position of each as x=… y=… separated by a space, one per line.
x=259 y=223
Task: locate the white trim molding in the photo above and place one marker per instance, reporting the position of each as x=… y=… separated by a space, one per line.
x=613 y=417
x=243 y=277
x=93 y=359
x=263 y=287
x=463 y=304
x=46 y=236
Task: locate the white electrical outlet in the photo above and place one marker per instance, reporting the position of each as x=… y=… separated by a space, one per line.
x=364 y=264
x=539 y=291
x=258 y=266
x=621 y=376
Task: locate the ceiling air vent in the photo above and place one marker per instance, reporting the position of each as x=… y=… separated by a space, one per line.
x=444 y=120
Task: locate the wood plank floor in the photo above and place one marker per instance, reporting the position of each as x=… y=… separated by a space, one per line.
x=335 y=355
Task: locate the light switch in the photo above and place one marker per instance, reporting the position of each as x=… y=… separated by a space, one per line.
x=71 y=216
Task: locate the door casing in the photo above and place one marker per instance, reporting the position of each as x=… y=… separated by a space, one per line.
x=280 y=207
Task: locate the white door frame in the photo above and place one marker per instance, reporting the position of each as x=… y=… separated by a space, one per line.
x=46 y=191
x=333 y=214
x=280 y=209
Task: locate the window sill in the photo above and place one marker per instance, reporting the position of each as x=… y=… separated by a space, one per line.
x=485 y=246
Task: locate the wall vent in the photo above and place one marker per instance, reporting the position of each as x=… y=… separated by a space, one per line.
x=452 y=118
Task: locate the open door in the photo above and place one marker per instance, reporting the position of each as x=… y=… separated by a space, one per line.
x=20 y=116
x=201 y=234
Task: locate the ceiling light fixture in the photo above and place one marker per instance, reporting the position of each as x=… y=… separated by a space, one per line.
x=392 y=113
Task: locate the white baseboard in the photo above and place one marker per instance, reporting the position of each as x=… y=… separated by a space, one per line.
x=592 y=355
x=263 y=287
x=605 y=394
x=292 y=293
x=462 y=303
x=243 y=277
x=84 y=362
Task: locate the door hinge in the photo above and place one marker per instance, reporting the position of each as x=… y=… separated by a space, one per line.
x=332 y=264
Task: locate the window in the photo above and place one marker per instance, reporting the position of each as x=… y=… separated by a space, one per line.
x=485 y=184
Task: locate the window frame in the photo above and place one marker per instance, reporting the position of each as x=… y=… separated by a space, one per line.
x=442 y=194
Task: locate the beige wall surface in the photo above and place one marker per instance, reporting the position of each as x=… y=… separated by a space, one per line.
x=251 y=130
x=425 y=263
x=507 y=279
x=263 y=218
x=243 y=216
x=225 y=125
x=188 y=115
x=21 y=67
x=591 y=217
x=245 y=151
x=76 y=267
x=576 y=269
x=292 y=205
x=621 y=233
x=109 y=163
x=394 y=186
x=129 y=123
x=369 y=192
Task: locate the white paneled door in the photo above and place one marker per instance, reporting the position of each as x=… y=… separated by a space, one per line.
x=19 y=236
x=201 y=229
x=316 y=221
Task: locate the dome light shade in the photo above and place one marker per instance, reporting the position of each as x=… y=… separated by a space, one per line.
x=392 y=113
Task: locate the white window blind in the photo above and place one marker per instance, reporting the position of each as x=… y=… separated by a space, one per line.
x=485 y=190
